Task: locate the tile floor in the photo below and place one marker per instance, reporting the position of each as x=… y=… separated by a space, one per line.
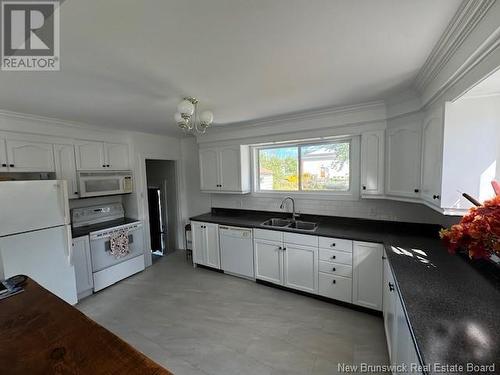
x=196 y=321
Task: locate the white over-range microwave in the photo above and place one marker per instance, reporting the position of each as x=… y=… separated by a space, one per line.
x=97 y=183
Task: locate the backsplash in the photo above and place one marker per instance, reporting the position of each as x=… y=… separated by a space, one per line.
x=375 y=209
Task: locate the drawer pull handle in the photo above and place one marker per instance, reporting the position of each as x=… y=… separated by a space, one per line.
x=334 y=281
x=280 y=248
x=391 y=287
x=334 y=269
x=4 y=165
x=11 y=165
x=284 y=249
x=334 y=257
x=333 y=244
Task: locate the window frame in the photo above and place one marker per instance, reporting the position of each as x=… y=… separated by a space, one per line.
x=354 y=169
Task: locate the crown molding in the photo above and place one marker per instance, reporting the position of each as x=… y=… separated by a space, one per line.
x=470 y=13
x=303 y=115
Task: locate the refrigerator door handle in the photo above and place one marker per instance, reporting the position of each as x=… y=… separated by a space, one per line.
x=70 y=245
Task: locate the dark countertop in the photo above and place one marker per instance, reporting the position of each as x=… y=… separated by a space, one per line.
x=84 y=231
x=453 y=308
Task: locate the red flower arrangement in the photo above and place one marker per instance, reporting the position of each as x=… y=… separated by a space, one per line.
x=478 y=232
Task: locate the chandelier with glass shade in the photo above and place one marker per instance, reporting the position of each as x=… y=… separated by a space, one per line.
x=188 y=118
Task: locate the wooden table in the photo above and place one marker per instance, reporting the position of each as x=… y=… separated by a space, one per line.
x=42 y=334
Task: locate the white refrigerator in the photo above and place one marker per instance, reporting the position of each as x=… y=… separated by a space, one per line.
x=35 y=235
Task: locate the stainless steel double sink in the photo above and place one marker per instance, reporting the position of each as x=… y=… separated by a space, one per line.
x=292 y=225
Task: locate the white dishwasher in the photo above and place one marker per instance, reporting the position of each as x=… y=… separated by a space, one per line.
x=236 y=247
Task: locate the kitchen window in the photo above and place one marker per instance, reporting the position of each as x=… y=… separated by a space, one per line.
x=310 y=167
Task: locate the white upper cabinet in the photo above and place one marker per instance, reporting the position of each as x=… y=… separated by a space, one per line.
x=117 y=155
x=225 y=169
x=3 y=156
x=432 y=157
x=66 y=167
x=209 y=169
x=367 y=275
x=372 y=163
x=92 y=155
x=403 y=161
x=25 y=156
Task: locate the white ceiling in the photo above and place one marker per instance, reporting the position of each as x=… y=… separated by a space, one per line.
x=126 y=64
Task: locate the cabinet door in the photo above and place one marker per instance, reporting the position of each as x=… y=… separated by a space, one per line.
x=199 y=243
x=83 y=265
x=367 y=275
x=404 y=347
x=117 y=156
x=230 y=168
x=268 y=261
x=30 y=156
x=212 y=245
x=300 y=267
x=432 y=157
x=66 y=167
x=90 y=155
x=403 y=158
x=3 y=155
x=372 y=163
x=209 y=169
x=389 y=303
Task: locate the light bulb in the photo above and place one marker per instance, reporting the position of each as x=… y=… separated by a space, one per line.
x=178 y=118
x=186 y=108
x=206 y=117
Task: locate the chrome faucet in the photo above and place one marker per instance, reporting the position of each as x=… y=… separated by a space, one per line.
x=282 y=205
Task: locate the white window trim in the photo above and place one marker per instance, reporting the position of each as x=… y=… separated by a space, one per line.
x=354 y=174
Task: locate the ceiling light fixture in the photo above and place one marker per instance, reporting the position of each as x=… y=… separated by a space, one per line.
x=188 y=119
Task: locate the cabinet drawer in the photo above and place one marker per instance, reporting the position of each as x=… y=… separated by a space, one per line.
x=335 y=269
x=335 y=256
x=335 y=243
x=270 y=235
x=300 y=239
x=336 y=287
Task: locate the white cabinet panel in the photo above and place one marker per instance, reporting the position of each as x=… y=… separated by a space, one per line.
x=30 y=156
x=198 y=243
x=83 y=266
x=335 y=244
x=403 y=157
x=212 y=245
x=335 y=268
x=268 y=261
x=335 y=256
x=230 y=168
x=389 y=303
x=209 y=169
x=367 y=275
x=300 y=266
x=117 y=156
x=336 y=287
x=432 y=157
x=66 y=168
x=372 y=163
x=225 y=169
x=90 y=155
x=3 y=155
x=206 y=249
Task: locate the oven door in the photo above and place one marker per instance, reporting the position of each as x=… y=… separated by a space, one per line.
x=93 y=184
x=101 y=254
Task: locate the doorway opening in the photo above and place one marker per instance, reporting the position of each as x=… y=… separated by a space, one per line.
x=162 y=206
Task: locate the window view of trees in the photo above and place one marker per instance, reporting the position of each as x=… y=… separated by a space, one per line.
x=324 y=167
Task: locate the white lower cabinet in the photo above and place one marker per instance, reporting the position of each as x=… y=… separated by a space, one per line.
x=367 y=274
x=83 y=266
x=268 y=261
x=206 y=249
x=400 y=343
x=335 y=269
x=300 y=267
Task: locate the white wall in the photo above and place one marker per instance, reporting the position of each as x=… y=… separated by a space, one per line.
x=471 y=148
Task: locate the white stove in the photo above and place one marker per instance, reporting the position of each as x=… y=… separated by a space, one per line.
x=100 y=223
